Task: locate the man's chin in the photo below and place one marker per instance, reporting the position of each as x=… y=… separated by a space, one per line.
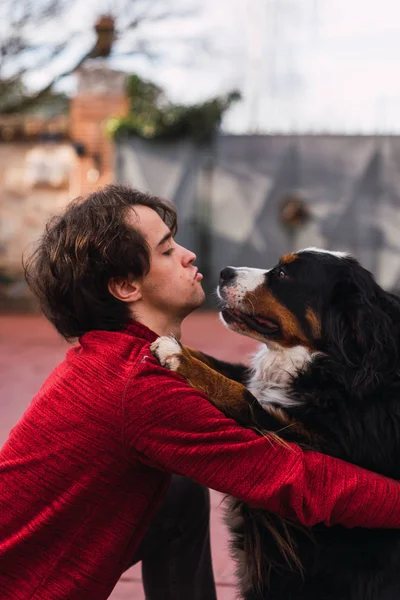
x=199 y=300
x=195 y=303
x=202 y=297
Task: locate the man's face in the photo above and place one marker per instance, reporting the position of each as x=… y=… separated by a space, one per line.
x=173 y=284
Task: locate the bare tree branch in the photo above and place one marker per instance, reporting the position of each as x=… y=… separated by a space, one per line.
x=26 y=47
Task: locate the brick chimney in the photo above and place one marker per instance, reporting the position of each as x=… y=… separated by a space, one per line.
x=105 y=30
x=100 y=95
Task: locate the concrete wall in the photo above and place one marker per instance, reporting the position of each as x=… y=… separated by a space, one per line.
x=235 y=190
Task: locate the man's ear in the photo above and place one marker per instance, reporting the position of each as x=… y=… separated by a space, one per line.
x=125 y=289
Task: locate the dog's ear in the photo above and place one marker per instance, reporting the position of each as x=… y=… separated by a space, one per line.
x=361 y=330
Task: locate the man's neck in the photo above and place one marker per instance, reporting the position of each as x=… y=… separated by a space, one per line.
x=159 y=323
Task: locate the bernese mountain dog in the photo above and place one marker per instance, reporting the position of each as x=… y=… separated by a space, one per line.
x=327 y=376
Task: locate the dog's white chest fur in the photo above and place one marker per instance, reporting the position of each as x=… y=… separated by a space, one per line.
x=272 y=370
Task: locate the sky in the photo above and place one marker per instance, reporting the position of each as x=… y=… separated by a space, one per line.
x=301 y=65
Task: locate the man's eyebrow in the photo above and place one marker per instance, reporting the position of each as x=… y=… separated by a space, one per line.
x=166 y=237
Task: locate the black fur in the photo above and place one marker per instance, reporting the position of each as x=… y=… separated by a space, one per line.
x=350 y=397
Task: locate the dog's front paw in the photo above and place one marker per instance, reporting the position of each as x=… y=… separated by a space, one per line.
x=167 y=351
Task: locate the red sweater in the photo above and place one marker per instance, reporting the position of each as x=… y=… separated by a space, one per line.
x=86 y=468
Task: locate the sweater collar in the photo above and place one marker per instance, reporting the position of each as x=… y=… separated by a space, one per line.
x=139 y=330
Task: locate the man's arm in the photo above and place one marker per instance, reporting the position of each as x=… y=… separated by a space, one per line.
x=171 y=426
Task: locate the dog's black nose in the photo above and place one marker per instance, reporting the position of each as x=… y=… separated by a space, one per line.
x=227 y=274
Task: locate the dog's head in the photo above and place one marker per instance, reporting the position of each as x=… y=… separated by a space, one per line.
x=322 y=300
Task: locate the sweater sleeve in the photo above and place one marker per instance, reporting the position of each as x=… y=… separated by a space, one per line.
x=171 y=426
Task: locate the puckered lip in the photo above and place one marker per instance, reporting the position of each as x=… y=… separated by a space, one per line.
x=259 y=323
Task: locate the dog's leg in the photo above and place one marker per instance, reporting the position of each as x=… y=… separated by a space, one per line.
x=235 y=371
x=230 y=397
x=227 y=395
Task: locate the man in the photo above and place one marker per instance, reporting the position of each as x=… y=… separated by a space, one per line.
x=83 y=474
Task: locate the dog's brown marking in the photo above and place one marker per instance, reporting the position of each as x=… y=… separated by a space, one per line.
x=265 y=304
x=314 y=322
x=288 y=258
x=200 y=356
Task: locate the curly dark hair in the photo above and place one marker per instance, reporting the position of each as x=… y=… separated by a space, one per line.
x=82 y=250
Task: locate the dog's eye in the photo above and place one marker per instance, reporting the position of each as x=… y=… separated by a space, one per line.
x=282 y=274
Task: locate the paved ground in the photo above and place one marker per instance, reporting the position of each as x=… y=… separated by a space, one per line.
x=30 y=348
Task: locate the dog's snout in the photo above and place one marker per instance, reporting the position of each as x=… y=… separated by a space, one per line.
x=227 y=274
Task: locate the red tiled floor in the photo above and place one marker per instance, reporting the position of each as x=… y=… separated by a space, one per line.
x=30 y=349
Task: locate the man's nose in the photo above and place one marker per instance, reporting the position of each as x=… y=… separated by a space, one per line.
x=188 y=256
x=227 y=274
